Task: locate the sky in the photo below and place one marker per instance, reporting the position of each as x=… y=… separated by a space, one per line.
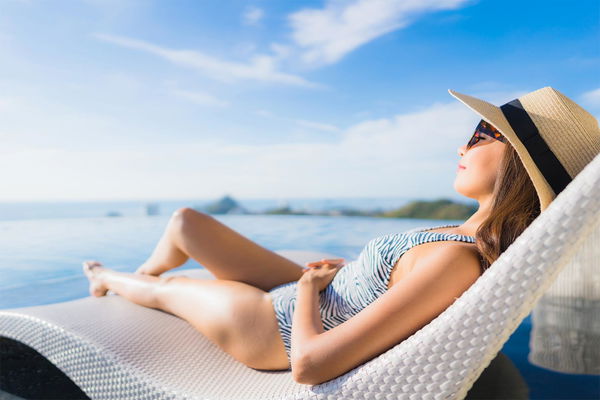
x=145 y=99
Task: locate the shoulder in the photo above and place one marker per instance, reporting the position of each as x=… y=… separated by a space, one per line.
x=458 y=259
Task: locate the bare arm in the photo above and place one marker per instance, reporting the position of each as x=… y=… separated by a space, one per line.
x=433 y=285
x=306 y=325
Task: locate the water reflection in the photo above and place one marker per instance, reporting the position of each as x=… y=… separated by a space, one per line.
x=500 y=380
x=565 y=334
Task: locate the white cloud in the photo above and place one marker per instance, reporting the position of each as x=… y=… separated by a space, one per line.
x=327 y=34
x=252 y=15
x=261 y=67
x=302 y=122
x=592 y=97
x=411 y=154
x=201 y=98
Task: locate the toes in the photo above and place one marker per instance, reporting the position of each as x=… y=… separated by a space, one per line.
x=87 y=268
x=92 y=262
x=91 y=270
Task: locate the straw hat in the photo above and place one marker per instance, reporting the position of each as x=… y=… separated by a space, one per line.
x=554 y=137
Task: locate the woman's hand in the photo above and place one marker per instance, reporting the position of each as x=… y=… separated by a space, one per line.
x=321 y=273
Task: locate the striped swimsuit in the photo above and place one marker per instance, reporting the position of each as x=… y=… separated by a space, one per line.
x=358 y=283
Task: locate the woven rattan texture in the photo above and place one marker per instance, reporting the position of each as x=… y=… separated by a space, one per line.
x=114 y=349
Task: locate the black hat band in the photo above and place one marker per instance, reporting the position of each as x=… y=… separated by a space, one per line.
x=520 y=121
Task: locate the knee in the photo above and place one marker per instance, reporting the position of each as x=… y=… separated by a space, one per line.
x=183 y=212
x=185 y=215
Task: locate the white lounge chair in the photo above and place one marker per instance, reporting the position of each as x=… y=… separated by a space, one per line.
x=114 y=349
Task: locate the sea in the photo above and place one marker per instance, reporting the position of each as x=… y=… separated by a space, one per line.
x=43 y=245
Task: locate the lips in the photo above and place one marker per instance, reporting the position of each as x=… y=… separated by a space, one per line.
x=460 y=167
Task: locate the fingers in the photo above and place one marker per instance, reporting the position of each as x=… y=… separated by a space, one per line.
x=317 y=265
x=325 y=261
x=325 y=266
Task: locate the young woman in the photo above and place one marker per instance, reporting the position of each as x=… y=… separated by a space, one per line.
x=344 y=315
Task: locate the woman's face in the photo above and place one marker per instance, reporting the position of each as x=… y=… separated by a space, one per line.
x=481 y=163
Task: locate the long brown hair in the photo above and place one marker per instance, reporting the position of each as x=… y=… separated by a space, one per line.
x=515 y=205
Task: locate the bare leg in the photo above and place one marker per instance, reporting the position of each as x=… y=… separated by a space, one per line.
x=237 y=317
x=166 y=255
x=136 y=288
x=226 y=253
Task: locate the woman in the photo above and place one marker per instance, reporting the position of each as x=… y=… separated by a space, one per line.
x=520 y=157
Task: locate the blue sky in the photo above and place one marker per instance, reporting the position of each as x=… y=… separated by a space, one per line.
x=142 y=99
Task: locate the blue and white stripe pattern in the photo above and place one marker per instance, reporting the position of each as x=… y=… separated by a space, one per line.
x=358 y=283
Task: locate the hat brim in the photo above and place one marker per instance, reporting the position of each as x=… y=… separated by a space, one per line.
x=494 y=115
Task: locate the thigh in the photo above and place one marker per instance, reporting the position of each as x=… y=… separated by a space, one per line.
x=229 y=255
x=238 y=317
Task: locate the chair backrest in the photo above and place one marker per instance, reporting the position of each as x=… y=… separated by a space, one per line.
x=444 y=358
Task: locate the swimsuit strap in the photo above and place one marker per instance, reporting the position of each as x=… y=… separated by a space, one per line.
x=443 y=233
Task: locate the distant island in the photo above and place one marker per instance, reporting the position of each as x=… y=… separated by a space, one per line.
x=421 y=209
x=436 y=209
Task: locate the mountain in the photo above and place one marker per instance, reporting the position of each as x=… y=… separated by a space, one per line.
x=225 y=205
x=436 y=209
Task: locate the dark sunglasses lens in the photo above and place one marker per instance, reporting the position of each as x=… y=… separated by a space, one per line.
x=484 y=128
x=474 y=139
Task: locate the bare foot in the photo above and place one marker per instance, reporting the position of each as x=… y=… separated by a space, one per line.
x=91 y=269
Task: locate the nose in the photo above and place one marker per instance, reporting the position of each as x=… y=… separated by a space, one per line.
x=462 y=149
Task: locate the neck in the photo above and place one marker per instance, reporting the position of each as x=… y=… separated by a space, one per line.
x=471 y=225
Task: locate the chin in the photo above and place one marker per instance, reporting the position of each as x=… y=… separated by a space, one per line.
x=460 y=189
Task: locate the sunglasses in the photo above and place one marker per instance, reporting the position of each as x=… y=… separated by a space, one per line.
x=484 y=128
